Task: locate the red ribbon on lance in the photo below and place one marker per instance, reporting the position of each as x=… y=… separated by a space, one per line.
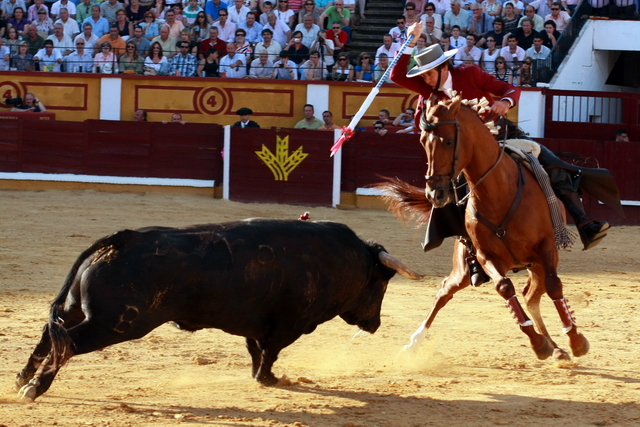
x=347 y=133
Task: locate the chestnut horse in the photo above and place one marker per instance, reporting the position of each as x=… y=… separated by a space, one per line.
x=507 y=219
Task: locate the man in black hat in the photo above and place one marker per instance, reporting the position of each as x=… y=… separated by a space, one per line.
x=244 y=122
x=434 y=74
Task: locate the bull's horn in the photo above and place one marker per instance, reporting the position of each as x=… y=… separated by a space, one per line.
x=397 y=265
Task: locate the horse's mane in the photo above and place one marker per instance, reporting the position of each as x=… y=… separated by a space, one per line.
x=479 y=107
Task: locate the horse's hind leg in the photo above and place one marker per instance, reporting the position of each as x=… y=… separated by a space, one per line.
x=457 y=280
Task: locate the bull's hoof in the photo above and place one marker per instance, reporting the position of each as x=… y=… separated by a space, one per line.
x=267 y=380
x=544 y=349
x=27 y=393
x=560 y=354
x=579 y=345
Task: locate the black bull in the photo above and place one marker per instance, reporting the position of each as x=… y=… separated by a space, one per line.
x=267 y=280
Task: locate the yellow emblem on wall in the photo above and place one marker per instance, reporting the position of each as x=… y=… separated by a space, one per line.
x=281 y=164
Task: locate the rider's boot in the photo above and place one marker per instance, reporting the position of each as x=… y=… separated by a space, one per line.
x=591 y=231
x=478 y=276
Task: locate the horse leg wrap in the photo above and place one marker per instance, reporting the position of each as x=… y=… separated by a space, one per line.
x=517 y=312
x=566 y=316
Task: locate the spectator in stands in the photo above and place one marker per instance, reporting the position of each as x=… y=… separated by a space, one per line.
x=538 y=50
x=622 y=135
x=342 y=71
x=109 y=8
x=185 y=36
x=7 y=7
x=383 y=64
x=281 y=32
x=261 y=67
x=47 y=58
x=252 y=28
x=298 y=52
x=80 y=60
x=83 y=11
x=470 y=50
x=336 y=13
x=365 y=68
x=150 y=26
x=501 y=71
x=430 y=11
x=550 y=35
x=525 y=75
x=100 y=25
x=480 y=23
x=492 y=8
x=543 y=7
x=125 y=28
x=456 y=40
x=284 y=69
x=5 y=57
x=388 y=47
x=184 y=64
x=266 y=8
x=442 y=6
x=61 y=43
x=243 y=46
x=309 y=30
x=309 y=8
x=314 y=68
x=405 y=119
x=213 y=42
x=411 y=14
x=18 y=20
x=327 y=118
x=33 y=39
x=116 y=43
x=525 y=34
x=598 y=7
x=510 y=17
x=489 y=55
x=135 y=12
x=31 y=105
x=140 y=115
x=201 y=27
x=209 y=66
x=432 y=34
x=383 y=116
x=213 y=8
x=175 y=26
x=105 y=61
x=497 y=33
x=22 y=60
x=71 y=27
x=456 y=16
x=159 y=8
x=167 y=42
x=339 y=38
x=272 y=47
x=233 y=66
x=63 y=4
x=245 y=120
x=559 y=16
x=238 y=12
x=530 y=13
x=89 y=39
x=378 y=127
x=421 y=46
x=131 y=62
x=399 y=32
x=142 y=45
x=445 y=42
x=175 y=118
x=284 y=14
x=309 y=121
x=32 y=11
x=518 y=7
x=513 y=53
x=325 y=47
x=155 y=62
x=43 y=23
x=226 y=28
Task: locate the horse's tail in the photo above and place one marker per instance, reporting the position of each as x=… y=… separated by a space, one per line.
x=61 y=344
x=406 y=202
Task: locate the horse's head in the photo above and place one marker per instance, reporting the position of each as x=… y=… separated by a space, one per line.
x=440 y=138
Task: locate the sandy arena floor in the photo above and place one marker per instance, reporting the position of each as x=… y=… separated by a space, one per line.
x=475 y=370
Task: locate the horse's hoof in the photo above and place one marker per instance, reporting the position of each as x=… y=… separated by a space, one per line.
x=20 y=382
x=267 y=380
x=27 y=393
x=582 y=346
x=560 y=354
x=544 y=350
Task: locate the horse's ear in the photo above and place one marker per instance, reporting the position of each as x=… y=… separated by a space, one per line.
x=454 y=106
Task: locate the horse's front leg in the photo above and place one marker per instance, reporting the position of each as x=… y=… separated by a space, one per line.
x=539 y=343
x=457 y=280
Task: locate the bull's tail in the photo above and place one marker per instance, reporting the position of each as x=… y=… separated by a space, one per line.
x=61 y=345
x=406 y=201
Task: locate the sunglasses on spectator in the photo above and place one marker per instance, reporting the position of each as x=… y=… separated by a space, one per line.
x=342 y=59
x=222 y=14
x=42 y=13
x=79 y=44
x=240 y=35
x=410 y=8
x=499 y=62
x=428 y=9
x=366 y=57
x=378 y=127
x=490 y=40
x=309 y=4
x=555 y=8
x=337 y=28
x=131 y=47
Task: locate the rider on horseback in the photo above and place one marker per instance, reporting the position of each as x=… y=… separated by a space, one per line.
x=434 y=74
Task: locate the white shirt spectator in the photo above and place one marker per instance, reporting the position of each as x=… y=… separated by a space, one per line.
x=228 y=33
x=543 y=54
x=49 y=60
x=61 y=45
x=70 y=27
x=509 y=57
x=442 y=6
x=437 y=20
x=391 y=52
x=4 y=53
x=399 y=36
x=461 y=55
x=69 y=5
x=238 y=17
x=279 y=32
x=237 y=72
x=273 y=50
x=260 y=71
x=78 y=63
x=561 y=21
x=90 y=44
x=308 y=36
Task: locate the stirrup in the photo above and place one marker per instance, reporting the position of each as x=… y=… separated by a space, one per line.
x=477 y=274
x=592 y=232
